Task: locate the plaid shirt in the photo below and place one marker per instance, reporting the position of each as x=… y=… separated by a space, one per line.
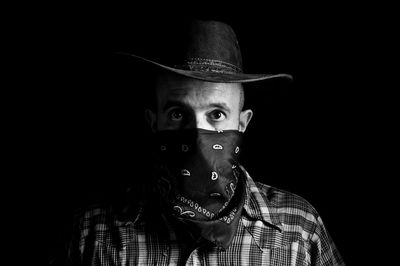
x=276 y=228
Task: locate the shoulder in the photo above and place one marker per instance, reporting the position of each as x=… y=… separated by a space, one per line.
x=284 y=199
x=299 y=220
x=289 y=207
x=96 y=212
x=94 y=218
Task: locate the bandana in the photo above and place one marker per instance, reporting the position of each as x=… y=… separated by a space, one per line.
x=201 y=180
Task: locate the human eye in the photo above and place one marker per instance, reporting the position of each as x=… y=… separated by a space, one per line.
x=217 y=115
x=176 y=115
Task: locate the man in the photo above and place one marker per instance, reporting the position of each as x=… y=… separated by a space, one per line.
x=200 y=206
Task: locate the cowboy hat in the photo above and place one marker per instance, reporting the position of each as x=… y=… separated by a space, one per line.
x=209 y=51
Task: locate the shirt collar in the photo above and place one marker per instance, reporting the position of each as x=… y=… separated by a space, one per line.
x=257 y=206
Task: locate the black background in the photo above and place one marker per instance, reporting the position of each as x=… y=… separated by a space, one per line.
x=83 y=128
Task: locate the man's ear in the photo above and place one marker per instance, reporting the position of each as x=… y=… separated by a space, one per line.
x=151 y=119
x=244 y=119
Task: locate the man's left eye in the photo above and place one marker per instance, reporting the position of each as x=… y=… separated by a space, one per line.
x=217 y=115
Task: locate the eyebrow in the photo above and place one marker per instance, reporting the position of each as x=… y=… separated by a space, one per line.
x=220 y=105
x=172 y=103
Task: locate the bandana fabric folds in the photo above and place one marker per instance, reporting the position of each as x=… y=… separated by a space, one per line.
x=201 y=180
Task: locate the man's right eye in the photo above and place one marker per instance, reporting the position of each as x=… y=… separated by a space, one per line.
x=176 y=115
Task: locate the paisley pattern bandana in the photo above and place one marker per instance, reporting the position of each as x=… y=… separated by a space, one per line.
x=201 y=179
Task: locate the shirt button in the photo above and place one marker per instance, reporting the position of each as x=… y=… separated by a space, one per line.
x=165 y=252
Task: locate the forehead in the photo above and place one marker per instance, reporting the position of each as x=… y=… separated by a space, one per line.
x=192 y=91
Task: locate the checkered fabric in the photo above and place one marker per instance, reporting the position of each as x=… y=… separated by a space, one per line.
x=276 y=228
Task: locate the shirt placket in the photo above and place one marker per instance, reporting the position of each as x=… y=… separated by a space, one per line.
x=194 y=258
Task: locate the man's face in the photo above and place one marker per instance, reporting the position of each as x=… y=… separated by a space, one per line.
x=184 y=103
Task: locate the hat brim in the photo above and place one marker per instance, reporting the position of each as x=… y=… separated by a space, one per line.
x=215 y=76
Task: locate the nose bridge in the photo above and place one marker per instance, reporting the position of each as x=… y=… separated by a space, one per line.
x=199 y=120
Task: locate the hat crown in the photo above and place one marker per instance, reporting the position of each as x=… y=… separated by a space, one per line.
x=207 y=46
x=213 y=42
